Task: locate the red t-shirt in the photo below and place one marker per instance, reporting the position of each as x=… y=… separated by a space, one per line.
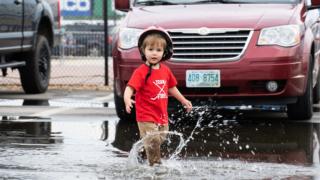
x=152 y=96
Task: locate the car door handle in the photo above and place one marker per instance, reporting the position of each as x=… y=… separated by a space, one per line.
x=17 y=2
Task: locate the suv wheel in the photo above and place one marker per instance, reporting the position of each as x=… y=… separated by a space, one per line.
x=36 y=74
x=303 y=108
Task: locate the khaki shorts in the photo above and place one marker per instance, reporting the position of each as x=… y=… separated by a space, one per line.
x=149 y=127
x=152 y=143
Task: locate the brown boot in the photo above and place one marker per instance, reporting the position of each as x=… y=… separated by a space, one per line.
x=153 y=150
x=142 y=156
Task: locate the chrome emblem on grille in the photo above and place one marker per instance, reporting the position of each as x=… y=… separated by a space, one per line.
x=203 y=31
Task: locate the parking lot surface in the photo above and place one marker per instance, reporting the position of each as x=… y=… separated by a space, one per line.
x=76 y=135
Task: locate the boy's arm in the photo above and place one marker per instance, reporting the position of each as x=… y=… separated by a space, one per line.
x=128 y=92
x=176 y=93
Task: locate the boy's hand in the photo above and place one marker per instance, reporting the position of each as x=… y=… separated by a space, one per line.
x=129 y=105
x=187 y=104
x=128 y=92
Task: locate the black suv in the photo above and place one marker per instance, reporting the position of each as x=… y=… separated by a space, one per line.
x=28 y=31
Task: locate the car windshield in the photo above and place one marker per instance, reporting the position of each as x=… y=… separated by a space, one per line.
x=175 y=2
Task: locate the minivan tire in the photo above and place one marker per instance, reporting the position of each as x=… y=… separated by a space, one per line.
x=120 y=109
x=303 y=108
x=316 y=91
x=35 y=74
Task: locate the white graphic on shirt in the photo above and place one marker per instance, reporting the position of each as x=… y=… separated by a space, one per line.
x=161 y=85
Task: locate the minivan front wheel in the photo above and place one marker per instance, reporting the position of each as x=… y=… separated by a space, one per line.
x=121 y=109
x=303 y=108
x=316 y=91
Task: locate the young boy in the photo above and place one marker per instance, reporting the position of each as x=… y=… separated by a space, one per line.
x=152 y=81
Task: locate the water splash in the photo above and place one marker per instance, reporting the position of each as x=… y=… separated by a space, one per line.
x=184 y=143
x=134 y=152
x=195 y=167
x=133 y=159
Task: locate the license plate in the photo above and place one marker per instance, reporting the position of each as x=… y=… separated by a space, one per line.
x=203 y=78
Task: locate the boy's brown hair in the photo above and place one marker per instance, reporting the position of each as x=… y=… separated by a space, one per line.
x=153 y=39
x=155 y=34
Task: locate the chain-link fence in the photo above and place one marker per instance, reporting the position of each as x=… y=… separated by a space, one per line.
x=79 y=60
x=73 y=72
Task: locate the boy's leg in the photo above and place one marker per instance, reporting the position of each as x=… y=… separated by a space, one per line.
x=163 y=129
x=152 y=142
x=163 y=136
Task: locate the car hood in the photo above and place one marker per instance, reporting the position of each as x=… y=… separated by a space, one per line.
x=254 y=16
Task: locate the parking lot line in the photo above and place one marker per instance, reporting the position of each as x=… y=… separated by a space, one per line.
x=63 y=109
x=104 y=98
x=53 y=111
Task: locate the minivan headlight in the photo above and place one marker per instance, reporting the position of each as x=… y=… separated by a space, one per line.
x=128 y=37
x=286 y=36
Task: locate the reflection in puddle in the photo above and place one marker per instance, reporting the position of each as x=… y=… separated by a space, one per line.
x=276 y=142
x=316 y=109
x=234 y=143
x=20 y=131
x=22 y=118
x=89 y=147
x=64 y=102
x=64 y=148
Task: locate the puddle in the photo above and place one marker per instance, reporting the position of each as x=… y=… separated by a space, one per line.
x=267 y=142
x=217 y=145
x=22 y=133
x=53 y=149
x=235 y=148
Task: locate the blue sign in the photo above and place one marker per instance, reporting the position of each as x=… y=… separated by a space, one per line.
x=76 y=8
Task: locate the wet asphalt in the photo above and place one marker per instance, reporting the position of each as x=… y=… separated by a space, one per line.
x=77 y=135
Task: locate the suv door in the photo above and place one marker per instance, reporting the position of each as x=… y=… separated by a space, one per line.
x=10 y=25
x=29 y=19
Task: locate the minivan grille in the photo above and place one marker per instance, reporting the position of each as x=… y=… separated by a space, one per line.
x=216 y=45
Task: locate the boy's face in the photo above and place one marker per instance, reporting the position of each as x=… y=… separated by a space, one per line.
x=154 y=53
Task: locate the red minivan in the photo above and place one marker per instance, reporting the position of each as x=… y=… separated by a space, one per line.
x=262 y=52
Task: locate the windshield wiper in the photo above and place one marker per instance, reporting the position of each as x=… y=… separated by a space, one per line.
x=238 y=1
x=206 y=1
x=155 y=2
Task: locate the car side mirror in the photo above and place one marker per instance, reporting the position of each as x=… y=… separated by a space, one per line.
x=122 y=5
x=315 y=2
